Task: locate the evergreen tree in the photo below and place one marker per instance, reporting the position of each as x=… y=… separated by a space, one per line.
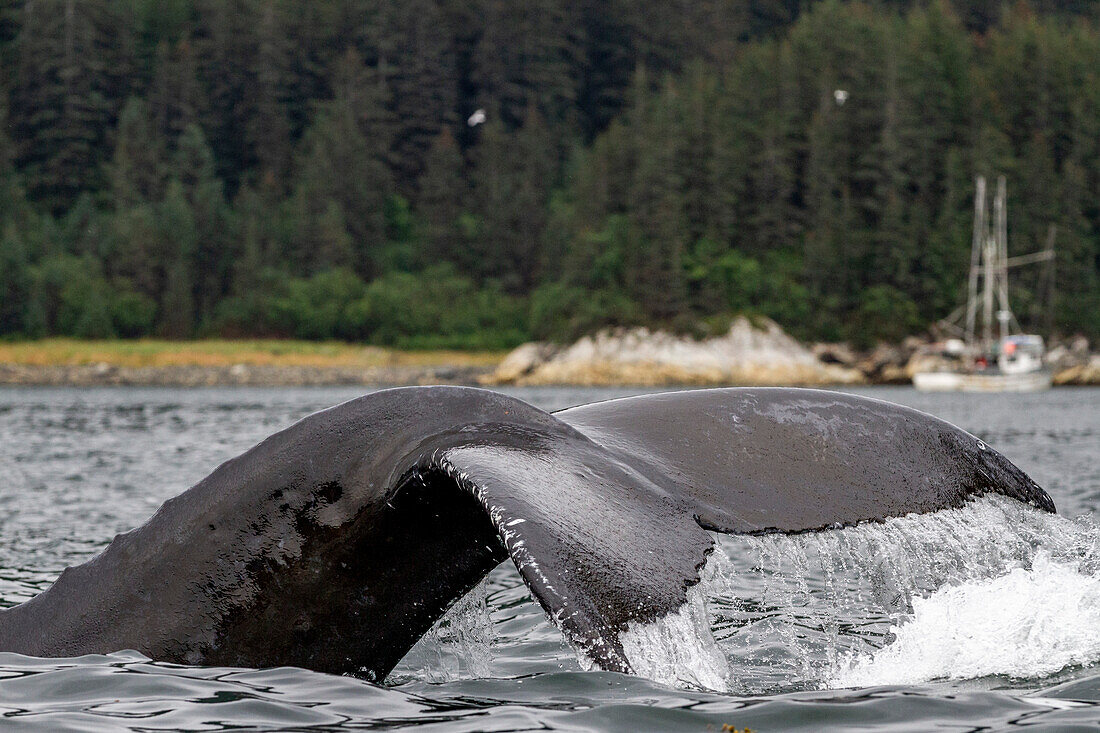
x=415 y=61
x=604 y=65
x=66 y=92
x=654 y=262
x=522 y=61
x=444 y=191
x=15 y=282
x=268 y=131
x=341 y=162
x=137 y=169
x=215 y=242
x=178 y=241
x=14 y=209
x=512 y=179
x=812 y=161
x=176 y=99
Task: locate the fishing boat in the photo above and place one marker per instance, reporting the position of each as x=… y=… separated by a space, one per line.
x=994 y=359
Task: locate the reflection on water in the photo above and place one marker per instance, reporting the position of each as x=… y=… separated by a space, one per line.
x=789 y=614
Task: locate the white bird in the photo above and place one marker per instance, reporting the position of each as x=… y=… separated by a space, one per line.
x=476 y=118
x=840 y=95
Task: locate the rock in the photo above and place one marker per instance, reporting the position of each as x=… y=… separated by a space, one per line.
x=1080 y=374
x=928 y=361
x=835 y=354
x=913 y=344
x=894 y=374
x=884 y=357
x=747 y=354
x=521 y=361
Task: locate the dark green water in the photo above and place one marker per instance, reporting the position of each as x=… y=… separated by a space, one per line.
x=987 y=620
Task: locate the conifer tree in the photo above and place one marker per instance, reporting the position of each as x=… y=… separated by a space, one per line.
x=176 y=99
x=215 y=243
x=14 y=210
x=415 y=61
x=654 y=264
x=443 y=193
x=15 y=282
x=522 y=61
x=239 y=47
x=604 y=65
x=341 y=161
x=268 y=131
x=177 y=242
x=137 y=170
x=65 y=94
x=512 y=178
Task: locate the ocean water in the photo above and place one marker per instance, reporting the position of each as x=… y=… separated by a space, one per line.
x=983 y=618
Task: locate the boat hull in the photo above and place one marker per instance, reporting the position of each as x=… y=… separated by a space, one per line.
x=961 y=382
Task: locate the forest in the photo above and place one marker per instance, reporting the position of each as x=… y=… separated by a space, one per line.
x=475 y=173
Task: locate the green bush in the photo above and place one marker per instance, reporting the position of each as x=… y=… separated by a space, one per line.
x=437 y=308
x=316 y=308
x=885 y=314
x=562 y=312
x=133 y=314
x=75 y=298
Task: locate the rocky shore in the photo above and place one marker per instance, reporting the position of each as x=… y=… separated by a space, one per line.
x=750 y=353
x=759 y=353
x=1071 y=361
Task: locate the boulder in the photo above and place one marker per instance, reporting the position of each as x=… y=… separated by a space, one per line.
x=748 y=354
x=1084 y=374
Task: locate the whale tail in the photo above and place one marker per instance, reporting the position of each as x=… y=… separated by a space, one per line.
x=336 y=543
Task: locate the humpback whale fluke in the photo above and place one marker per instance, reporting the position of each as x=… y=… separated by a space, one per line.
x=336 y=543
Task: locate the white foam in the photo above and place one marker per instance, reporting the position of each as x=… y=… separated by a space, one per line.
x=1027 y=623
x=992 y=588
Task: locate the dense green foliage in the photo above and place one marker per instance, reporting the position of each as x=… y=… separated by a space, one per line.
x=306 y=169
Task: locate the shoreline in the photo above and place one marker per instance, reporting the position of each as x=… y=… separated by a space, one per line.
x=71 y=363
x=107 y=375
x=219 y=362
x=238 y=375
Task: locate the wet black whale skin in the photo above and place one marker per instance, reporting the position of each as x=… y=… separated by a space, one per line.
x=335 y=544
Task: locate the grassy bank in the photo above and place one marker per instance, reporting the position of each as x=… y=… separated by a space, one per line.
x=225 y=353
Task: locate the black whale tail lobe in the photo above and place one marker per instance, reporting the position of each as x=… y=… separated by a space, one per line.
x=336 y=543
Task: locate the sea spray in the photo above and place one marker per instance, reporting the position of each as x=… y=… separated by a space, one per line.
x=1029 y=623
x=459 y=645
x=678 y=649
x=816 y=609
x=878 y=603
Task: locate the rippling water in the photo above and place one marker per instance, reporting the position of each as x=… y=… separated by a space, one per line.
x=987 y=617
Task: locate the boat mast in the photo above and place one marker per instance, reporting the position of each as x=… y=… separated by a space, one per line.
x=988 y=247
x=992 y=249
x=975 y=258
x=990 y=263
x=1004 y=315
